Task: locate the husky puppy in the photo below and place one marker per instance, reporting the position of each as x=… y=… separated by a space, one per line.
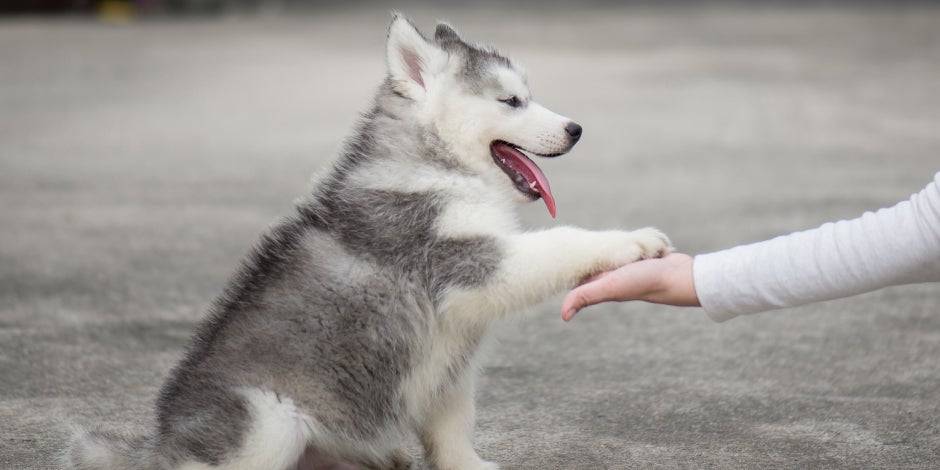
x=354 y=324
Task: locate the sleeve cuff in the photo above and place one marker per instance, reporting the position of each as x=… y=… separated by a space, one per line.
x=706 y=273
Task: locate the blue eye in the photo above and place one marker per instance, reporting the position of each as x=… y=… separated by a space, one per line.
x=512 y=102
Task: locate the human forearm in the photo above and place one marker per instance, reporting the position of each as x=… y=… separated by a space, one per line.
x=892 y=246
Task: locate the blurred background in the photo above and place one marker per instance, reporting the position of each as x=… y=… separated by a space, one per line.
x=144 y=146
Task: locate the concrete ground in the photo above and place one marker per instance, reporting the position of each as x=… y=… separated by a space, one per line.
x=139 y=162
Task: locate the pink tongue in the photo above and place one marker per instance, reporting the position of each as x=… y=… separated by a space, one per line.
x=528 y=169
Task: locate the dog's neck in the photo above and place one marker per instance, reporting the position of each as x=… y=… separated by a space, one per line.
x=403 y=136
x=391 y=147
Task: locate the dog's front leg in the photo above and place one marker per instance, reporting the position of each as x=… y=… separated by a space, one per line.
x=536 y=265
x=448 y=429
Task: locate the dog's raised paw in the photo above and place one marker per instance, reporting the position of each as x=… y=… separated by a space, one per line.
x=617 y=248
x=651 y=243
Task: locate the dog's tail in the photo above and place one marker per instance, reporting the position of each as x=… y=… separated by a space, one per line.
x=106 y=450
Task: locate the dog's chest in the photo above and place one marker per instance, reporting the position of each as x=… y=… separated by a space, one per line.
x=446 y=359
x=482 y=216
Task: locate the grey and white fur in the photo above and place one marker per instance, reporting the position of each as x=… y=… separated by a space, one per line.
x=355 y=323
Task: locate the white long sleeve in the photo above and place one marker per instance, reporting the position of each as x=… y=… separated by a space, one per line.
x=899 y=245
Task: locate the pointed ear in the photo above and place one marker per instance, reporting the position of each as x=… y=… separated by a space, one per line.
x=446 y=33
x=412 y=60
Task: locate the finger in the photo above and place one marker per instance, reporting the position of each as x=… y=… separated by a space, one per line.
x=593 y=277
x=604 y=289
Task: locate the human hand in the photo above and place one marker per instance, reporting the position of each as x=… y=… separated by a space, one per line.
x=666 y=280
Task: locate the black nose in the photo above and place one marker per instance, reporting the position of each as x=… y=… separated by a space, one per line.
x=574 y=130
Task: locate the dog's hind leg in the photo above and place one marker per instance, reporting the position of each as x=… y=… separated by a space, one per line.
x=277 y=435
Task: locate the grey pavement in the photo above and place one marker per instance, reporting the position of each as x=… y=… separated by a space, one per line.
x=139 y=162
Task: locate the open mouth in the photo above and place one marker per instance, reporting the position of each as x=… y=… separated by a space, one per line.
x=526 y=176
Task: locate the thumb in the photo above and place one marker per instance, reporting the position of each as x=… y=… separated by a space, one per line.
x=602 y=289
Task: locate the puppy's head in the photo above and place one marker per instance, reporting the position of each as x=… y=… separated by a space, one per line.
x=478 y=103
